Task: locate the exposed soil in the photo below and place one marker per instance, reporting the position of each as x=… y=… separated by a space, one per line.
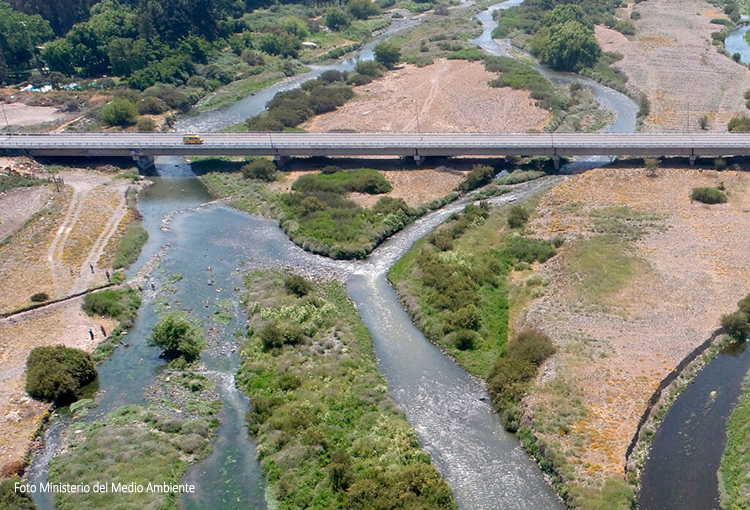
x=448 y=96
x=672 y=60
x=62 y=323
x=19 y=114
x=614 y=353
x=17 y=205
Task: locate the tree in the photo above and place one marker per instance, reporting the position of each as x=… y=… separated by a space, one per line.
x=55 y=373
x=564 y=13
x=736 y=325
x=178 y=337
x=703 y=122
x=362 y=9
x=12 y=500
x=518 y=216
x=479 y=176
x=259 y=168
x=387 y=54
x=568 y=46
x=337 y=19
x=120 y=112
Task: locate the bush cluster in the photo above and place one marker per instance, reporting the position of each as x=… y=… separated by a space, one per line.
x=479 y=176
x=259 y=168
x=290 y=108
x=520 y=75
x=56 y=373
x=178 y=338
x=511 y=374
x=737 y=324
x=708 y=195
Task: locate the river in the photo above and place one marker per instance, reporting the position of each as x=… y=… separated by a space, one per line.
x=485 y=465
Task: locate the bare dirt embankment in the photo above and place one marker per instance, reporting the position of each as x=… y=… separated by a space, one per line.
x=672 y=60
x=74 y=227
x=448 y=96
x=641 y=281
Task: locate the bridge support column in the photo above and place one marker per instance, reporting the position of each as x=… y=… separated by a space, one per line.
x=145 y=163
x=692 y=159
x=556 y=161
x=418 y=159
x=280 y=160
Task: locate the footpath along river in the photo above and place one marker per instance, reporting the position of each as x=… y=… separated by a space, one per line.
x=450 y=410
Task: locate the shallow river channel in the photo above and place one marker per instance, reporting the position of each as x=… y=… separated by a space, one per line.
x=485 y=466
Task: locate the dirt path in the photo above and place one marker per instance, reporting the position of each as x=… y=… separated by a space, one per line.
x=447 y=96
x=671 y=58
x=83 y=185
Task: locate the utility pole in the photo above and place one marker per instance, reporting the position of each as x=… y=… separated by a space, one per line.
x=416 y=110
x=687 y=130
x=5 y=116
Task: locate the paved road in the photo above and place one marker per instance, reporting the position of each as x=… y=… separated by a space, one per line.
x=362 y=144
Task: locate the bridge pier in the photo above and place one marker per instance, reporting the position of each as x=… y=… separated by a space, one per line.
x=418 y=159
x=692 y=159
x=556 y=162
x=145 y=163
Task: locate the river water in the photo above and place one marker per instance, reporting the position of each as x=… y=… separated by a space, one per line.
x=485 y=466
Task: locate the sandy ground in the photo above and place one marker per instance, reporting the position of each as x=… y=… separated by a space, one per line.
x=19 y=114
x=53 y=253
x=694 y=270
x=671 y=58
x=63 y=323
x=416 y=187
x=448 y=96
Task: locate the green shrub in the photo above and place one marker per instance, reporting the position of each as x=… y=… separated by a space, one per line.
x=465 y=339
x=635 y=15
x=119 y=112
x=363 y=180
x=12 y=500
x=720 y=164
x=39 y=297
x=177 y=337
x=625 y=27
x=531 y=345
x=119 y=304
x=508 y=382
x=130 y=245
x=739 y=124
x=297 y=285
x=145 y=125
x=744 y=305
x=261 y=169
x=18 y=181
x=736 y=325
x=708 y=196
x=479 y=176
x=151 y=105
x=387 y=54
x=272 y=336
x=518 y=216
x=56 y=373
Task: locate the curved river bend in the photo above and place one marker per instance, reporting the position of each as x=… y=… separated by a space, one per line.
x=485 y=466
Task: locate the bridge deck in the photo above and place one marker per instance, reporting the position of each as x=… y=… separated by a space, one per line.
x=372 y=144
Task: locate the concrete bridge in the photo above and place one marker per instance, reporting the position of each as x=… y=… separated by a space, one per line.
x=143 y=147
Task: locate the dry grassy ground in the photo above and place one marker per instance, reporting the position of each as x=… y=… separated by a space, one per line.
x=641 y=281
x=448 y=96
x=671 y=59
x=53 y=253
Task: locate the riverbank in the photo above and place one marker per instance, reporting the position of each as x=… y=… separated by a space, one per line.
x=672 y=59
x=329 y=433
x=736 y=459
x=642 y=280
x=78 y=225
